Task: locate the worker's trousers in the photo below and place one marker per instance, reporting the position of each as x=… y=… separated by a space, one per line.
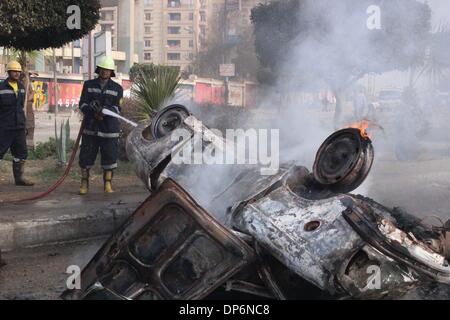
x=16 y=141
x=90 y=146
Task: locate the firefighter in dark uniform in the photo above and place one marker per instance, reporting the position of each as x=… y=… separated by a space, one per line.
x=101 y=132
x=13 y=121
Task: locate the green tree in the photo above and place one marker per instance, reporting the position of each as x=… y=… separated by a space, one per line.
x=239 y=49
x=38 y=24
x=29 y=25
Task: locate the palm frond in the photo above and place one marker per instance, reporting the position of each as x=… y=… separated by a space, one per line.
x=437 y=61
x=153 y=89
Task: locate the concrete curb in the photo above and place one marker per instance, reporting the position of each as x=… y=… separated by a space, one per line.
x=50 y=227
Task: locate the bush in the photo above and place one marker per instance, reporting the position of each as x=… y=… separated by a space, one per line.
x=44 y=150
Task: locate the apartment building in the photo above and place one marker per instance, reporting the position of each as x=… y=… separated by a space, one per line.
x=174 y=31
x=168 y=32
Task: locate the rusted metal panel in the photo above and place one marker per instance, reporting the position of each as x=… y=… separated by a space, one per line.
x=170 y=248
x=383 y=235
x=281 y=223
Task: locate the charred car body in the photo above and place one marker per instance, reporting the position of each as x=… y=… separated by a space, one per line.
x=207 y=228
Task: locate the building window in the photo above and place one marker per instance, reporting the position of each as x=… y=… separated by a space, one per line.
x=202 y=16
x=191 y=56
x=148 y=29
x=147 y=56
x=173 y=56
x=173 y=30
x=107 y=15
x=174 y=43
x=147 y=43
x=190 y=3
x=148 y=2
x=191 y=43
x=148 y=16
x=174 y=16
x=173 y=3
x=191 y=16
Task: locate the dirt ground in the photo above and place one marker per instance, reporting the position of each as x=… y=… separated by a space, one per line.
x=45 y=172
x=40 y=273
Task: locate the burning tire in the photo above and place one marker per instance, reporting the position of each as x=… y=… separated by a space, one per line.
x=344 y=160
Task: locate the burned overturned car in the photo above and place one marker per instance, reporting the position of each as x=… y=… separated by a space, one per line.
x=209 y=231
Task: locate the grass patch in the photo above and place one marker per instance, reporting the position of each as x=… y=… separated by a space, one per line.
x=49 y=170
x=42 y=151
x=55 y=171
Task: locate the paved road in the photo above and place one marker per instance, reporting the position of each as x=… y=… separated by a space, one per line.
x=39 y=273
x=421 y=187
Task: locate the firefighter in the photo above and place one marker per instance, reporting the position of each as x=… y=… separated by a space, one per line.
x=100 y=132
x=13 y=121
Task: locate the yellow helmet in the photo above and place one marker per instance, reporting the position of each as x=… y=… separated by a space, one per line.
x=106 y=62
x=13 y=66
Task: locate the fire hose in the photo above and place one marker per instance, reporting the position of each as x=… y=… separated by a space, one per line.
x=62 y=178
x=71 y=160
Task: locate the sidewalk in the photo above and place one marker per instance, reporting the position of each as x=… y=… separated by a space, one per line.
x=45 y=125
x=51 y=221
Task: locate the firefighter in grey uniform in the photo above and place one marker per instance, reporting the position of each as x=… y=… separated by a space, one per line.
x=101 y=132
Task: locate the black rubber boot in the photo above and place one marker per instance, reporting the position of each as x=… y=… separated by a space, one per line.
x=18 y=171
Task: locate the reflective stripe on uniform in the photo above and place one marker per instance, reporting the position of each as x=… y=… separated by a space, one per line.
x=109 y=167
x=7 y=91
x=94 y=90
x=89 y=132
x=112 y=92
x=108 y=135
x=22 y=90
x=101 y=134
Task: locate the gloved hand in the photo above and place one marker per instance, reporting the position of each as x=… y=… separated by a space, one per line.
x=95 y=106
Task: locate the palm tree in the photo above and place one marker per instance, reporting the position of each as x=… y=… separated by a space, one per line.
x=153 y=88
x=436 y=62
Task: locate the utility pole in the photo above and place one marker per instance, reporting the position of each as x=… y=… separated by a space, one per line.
x=73 y=57
x=55 y=81
x=225 y=44
x=90 y=56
